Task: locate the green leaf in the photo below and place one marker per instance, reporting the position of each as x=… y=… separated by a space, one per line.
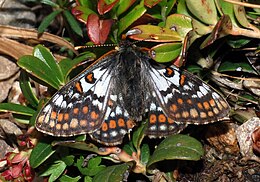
x=54 y=170
x=123 y=6
x=93 y=167
x=204 y=10
x=46 y=56
x=130 y=18
x=139 y=135
x=39 y=69
x=180 y=147
x=73 y=23
x=66 y=65
x=87 y=179
x=69 y=159
x=66 y=178
x=41 y=152
x=129 y=148
x=49 y=2
x=26 y=88
x=145 y=153
x=47 y=20
x=113 y=173
x=181 y=23
x=231 y=66
x=155 y=34
x=167 y=52
x=78 y=145
x=16 y=108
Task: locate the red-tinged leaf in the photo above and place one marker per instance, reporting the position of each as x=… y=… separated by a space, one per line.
x=105 y=26
x=93 y=28
x=98 y=30
x=151 y=3
x=81 y=13
x=104 y=8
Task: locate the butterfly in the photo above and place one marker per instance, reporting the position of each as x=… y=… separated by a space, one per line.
x=121 y=88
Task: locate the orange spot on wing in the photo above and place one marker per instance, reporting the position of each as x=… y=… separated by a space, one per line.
x=212 y=102
x=169 y=71
x=112 y=124
x=180 y=101
x=182 y=80
x=189 y=101
x=60 y=117
x=104 y=127
x=90 y=77
x=152 y=118
x=162 y=118
x=130 y=124
x=76 y=110
x=94 y=115
x=66 y=117
x=121 y=122
x=85 y=109
x=170 y=120
x=200 y=105
x=206 y=105
x=53 y=115
x=78 y=87
x=173 y=108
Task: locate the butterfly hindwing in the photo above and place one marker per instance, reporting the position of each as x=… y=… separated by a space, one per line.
x=116 y=123
x=185 y=98
x=79 y=107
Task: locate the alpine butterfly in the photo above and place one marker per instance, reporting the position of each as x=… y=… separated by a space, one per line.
x=112 y=95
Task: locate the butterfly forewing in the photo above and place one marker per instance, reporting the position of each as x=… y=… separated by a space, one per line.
x=79 y=107
x=185 y=98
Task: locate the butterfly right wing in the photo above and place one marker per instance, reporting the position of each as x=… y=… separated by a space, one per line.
x=80 y=106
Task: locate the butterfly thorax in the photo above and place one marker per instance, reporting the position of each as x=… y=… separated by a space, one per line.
x=130 y=82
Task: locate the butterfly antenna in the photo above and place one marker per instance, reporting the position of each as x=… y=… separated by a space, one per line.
x=94 y=46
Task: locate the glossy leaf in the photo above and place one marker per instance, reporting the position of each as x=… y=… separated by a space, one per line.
x=138 y=135
x=154 y=34
x=151 y=3
x=103 y=8
x=123 y=6
x=165 y=52
x=204 y=10
x=73 y=23
x=113 y=173
x=16 y=108
x=78 y=145
x=179 y=23
x=98 y=30
x=239 y=66
x=92 y=168
x=67 y=65
x=82 y=13
x=130 y=18
x=145 y=154
x=39 y=69
x=41 y=152
x=54 y=170
x=46 y=56
x=180 y=147
x=47 y=20
x=66 y=178
x=50 y=2
x=26 y=88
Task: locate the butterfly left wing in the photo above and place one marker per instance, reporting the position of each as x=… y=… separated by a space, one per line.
x=78 y=107
x=185 y=98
